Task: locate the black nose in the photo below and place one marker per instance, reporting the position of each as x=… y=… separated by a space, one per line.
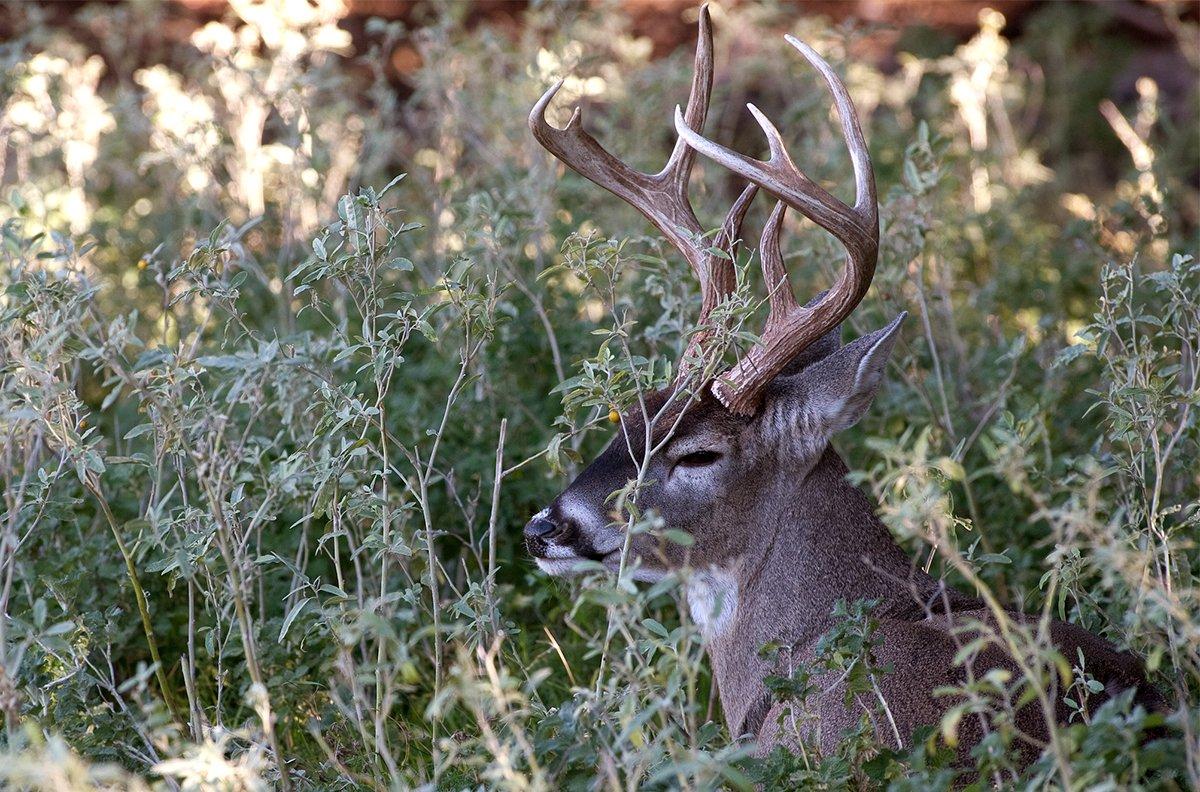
x=539 y=528
x=539 y=533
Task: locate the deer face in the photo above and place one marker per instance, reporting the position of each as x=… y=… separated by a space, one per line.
x=716 y=475
x=685 y=479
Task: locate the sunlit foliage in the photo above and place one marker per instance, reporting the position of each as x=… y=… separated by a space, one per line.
x=271 y=416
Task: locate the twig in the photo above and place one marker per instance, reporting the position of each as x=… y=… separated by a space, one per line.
x=139 y=595
x=491 y=559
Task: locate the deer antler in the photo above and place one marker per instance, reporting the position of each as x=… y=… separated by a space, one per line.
x=662 y=197
x=791 y=327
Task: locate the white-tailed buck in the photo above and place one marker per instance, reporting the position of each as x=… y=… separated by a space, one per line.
x=745 y=465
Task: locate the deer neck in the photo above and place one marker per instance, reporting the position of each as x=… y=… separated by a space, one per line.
x=823 y=544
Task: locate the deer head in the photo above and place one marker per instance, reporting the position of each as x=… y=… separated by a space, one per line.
x=718 y=462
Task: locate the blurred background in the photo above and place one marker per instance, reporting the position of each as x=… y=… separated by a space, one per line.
x=131 y=72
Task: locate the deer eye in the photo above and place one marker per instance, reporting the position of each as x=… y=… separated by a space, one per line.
x=698 y=459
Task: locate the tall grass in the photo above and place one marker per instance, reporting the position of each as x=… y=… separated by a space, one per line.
x=273 y=416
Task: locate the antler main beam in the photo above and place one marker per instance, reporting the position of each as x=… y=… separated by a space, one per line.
x=790 y=327
x=662 y=197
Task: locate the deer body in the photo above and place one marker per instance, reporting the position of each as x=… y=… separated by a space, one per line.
x=786 y=592
x=743 y=463
x=781 y=537
x=832 y=547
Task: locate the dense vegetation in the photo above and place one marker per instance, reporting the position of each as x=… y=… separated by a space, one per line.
x=272 y=416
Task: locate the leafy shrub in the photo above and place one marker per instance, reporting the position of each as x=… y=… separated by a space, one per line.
x=267 y=450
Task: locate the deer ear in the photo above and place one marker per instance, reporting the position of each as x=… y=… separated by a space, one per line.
x=839 y=388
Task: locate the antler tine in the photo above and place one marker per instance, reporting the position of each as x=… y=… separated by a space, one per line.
x=780 y=176
x=661 y=197
x=721 y=272
x=865 y=200
x=790 y=328
x=727 y=240
x=779 y=288
x=683 y=156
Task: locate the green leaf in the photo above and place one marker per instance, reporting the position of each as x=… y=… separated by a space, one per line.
x=139 y=430
x=392 y=184
x=681 y=538
x=656 y=627
x=291 y=616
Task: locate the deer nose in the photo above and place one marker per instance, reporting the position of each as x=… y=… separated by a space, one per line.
x=539 y=528
x=540 y=532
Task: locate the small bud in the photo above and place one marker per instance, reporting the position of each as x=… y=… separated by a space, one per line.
x=614 y=416
x=142 y=263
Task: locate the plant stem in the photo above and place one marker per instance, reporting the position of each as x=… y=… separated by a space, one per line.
x=491 y=560
x=246 y=626
x=139 y=595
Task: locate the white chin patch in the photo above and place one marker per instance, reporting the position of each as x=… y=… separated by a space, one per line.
x=646 y=575
x=562 y=567
x=712 y=598
x=561 y=562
